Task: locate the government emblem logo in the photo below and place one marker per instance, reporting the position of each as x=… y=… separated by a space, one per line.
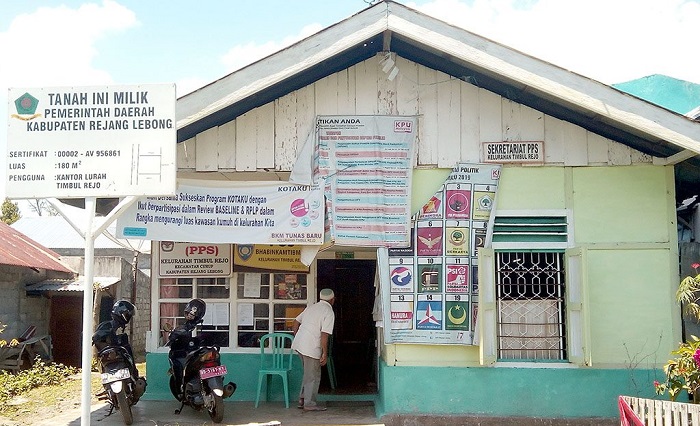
x=26 y=106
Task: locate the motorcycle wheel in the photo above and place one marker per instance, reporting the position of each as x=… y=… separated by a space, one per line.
x=216 y=412
x=124 y=408
x=173 y=388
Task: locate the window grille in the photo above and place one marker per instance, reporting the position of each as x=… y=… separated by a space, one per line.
x=530 y=289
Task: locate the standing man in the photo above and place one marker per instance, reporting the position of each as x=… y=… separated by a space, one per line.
x=312 y=329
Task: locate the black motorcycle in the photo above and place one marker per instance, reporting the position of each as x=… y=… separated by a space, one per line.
x=196 y=373
x=122 y=385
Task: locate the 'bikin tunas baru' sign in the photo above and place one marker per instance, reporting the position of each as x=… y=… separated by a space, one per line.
x=75 y=142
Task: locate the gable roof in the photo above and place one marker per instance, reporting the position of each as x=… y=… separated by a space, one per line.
x=19 y=250
x=390 y=26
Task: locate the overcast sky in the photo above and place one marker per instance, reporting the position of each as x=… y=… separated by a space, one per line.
x=192 y=43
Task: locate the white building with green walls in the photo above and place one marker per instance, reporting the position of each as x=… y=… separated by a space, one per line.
x=551 y=294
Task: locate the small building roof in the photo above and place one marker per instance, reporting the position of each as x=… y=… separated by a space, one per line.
x=671 y=93
x=19 y=250
x=76 y=284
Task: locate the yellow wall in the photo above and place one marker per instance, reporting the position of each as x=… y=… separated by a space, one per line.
x=624 y=217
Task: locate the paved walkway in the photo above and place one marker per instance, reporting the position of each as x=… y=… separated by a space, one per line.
x=161 y=413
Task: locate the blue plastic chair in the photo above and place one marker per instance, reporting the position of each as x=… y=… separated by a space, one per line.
x=275 y=359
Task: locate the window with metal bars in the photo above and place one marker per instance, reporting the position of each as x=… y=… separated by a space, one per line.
x=530 y=297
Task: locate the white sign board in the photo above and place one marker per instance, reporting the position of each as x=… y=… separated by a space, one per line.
x=228 y=212
x=522 y=152
x=76 y=142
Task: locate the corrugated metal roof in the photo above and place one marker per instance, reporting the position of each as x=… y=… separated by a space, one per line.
x=77 y=284
x=19 y=250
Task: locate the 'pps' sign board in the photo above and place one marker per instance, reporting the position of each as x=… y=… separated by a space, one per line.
x=192 y=259
x=75 y=142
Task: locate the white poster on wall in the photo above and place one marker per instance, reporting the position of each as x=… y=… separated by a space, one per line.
x=365 y=164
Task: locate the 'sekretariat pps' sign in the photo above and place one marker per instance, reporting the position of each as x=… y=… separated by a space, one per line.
x=523 y=152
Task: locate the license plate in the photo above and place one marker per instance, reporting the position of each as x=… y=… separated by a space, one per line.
x=115 y=376
x=208 y=372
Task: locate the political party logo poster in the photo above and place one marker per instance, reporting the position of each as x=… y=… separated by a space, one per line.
x=484 y=196
x=429 y=242
x=456 y=238
x=457 y=279
x=428 y=315
x=478 y=237
x=458 y=199
x=457 y=314
x=401 y=312
x=402 y=279
x=430 y=278
x=449 y=230
x=433 y=208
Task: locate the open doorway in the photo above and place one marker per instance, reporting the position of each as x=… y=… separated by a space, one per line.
x=354 y=339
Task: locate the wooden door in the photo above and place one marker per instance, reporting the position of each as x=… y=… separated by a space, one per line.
x=66 y=326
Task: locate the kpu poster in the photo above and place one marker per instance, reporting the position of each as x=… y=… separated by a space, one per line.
x=432 y=296
x=365 y=165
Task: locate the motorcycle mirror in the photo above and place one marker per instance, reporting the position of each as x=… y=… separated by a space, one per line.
x=167 y=327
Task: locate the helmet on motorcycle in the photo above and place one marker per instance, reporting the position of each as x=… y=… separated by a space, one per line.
x=123 y=311
x=195 y=309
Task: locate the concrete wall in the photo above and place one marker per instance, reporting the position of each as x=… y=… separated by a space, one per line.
x=17 y=310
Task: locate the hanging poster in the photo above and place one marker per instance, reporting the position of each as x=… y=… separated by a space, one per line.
x=228 y=212
x=365 y=165
x=433 y=288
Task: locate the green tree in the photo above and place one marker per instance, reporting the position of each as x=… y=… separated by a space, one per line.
x=10 y=212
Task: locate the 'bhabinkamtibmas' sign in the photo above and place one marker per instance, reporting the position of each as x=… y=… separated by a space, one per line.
x=75 y=142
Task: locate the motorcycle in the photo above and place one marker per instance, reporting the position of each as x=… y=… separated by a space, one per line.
x=196 y=372
x=122 y=385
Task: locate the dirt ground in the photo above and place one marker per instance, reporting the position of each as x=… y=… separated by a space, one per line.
x=45 y=404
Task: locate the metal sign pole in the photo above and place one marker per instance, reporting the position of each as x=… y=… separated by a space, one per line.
x=90 y=203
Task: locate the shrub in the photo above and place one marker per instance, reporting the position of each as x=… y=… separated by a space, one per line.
x=41 y=374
